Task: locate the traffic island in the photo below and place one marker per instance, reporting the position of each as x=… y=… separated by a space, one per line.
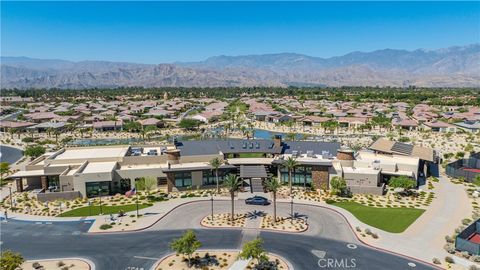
x=53 y=264
x=212 y=260
x=224 y=220
x=215 y=260
x=284 y=224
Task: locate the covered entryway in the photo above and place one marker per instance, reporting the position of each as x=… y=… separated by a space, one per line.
x=254 y=175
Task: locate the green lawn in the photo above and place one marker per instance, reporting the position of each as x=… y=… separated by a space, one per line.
x=95 y=210
x=394 y=220
x=251 y=155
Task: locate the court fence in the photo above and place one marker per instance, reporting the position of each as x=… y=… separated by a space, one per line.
x=462 y=241
x=457 y=168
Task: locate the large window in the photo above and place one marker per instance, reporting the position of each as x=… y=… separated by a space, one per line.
x=209 y=177
x=300 y=174
x=183 y=179
x=94 y=189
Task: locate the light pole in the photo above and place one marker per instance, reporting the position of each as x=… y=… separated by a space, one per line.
x=136 y=202
x=211 y=200
x=100 y=196
x=90 y=206
x=291 y=208
x=11 y=199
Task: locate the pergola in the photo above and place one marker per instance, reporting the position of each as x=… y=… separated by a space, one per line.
x=255 y=174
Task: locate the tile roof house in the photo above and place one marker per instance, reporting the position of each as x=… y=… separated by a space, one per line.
x=439 y=126
x=408 y=124
x=150 y=122
x=108 y=125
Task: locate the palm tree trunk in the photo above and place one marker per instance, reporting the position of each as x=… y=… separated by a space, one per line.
x=274 y=207
x=232 y=196
x=290 y=180
x=218 y=185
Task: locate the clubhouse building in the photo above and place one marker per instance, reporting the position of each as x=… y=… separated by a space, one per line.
x=92 y=171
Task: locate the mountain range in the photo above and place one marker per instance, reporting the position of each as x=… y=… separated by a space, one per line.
x=449 y=67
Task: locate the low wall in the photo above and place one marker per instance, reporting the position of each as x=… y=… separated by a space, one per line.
x=52 y=196
x=367 y=190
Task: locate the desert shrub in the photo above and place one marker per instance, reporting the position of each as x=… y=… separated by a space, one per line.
x=105 y=226
x=449 y=259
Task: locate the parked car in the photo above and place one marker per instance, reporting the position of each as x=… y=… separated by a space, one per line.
x=257 y=200
x=152 y=152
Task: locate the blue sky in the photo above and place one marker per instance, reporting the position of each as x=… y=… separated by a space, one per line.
x=156 y=32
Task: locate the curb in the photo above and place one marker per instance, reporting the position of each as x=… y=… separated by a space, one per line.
x=91 y=265
x=281 y=258
x=369 y=245
x=158 y=220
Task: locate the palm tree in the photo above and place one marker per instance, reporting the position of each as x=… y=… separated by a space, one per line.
x=232 y=183
x=50 y=130
x=12 y=131
x=56 y=132
x=149 y=130
x=273 y=185
x=290 y=163
x=216 y=163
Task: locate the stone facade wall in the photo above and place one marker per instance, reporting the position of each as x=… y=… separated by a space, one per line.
x=320 y=177
x=367 y=190
x=53 y=196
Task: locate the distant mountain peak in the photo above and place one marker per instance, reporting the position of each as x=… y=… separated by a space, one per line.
x=453 y=66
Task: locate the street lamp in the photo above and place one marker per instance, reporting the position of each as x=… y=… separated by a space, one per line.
x=90 y=207
x=136 y=202
x=11 y=198
x=291 y=208
x=211 y=200
x=100 y=196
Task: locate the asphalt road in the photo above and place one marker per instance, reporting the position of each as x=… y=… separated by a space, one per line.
x=10 y=154
x=140 y=250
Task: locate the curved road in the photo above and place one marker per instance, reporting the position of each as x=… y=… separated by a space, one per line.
x=329 y=237
x=10 y=154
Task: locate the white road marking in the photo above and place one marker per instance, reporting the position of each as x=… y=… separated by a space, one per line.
x=16 y=234
x=147 y=258
x=351 y=246
x=411 y=264
x=49 y=223
x=319 y=253
x=88 y=222
x=76 y=233
x=38 y=222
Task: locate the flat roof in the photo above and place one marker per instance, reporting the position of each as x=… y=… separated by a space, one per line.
x=360 y=170
x=21 y=174
x=387 y=159
x=97 y=152
x=99 y=167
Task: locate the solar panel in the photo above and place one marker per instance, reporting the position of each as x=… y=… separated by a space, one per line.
x=402 y=148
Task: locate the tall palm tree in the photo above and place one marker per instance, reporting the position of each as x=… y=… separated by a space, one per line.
x=216 y=163
x=290 y=163
x=232 y=183
x=50 y=130
x=273 y=185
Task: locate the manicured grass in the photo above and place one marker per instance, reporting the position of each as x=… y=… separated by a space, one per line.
x=95 y=210
x=251 y=155
x=394 y=220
